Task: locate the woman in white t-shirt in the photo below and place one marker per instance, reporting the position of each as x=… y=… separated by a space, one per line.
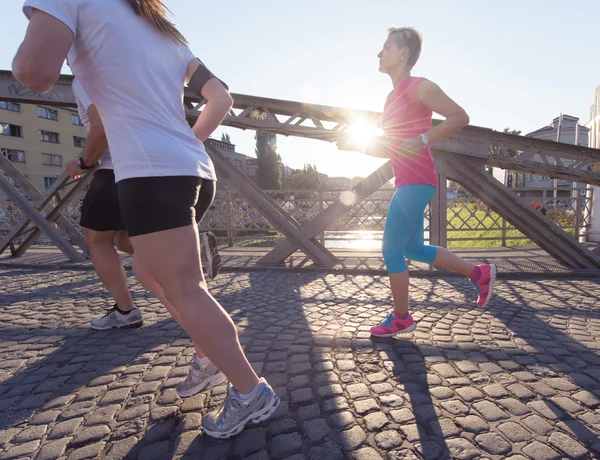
x=133 y=63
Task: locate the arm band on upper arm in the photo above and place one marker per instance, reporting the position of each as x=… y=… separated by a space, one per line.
x=200 y=78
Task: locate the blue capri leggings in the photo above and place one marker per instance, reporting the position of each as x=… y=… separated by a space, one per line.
x=403 y=234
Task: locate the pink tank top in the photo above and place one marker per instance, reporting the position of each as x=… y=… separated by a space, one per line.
x=403 y=117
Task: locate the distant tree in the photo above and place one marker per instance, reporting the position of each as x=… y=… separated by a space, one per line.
x=225 y=138
x=269 y=175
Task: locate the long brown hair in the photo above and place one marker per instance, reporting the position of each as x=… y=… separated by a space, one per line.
x=156 y=13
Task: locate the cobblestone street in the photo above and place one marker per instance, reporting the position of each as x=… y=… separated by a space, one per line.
x=519 y=380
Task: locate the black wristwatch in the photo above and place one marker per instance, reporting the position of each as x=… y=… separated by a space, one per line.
x=81 y=164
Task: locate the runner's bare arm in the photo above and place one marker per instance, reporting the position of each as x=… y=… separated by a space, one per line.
x=40 y=57
x=219 y=101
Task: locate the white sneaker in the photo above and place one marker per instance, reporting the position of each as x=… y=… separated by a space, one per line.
x=235 y=414
x=115 y=320
x=199 y=377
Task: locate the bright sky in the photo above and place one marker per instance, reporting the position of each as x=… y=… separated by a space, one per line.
x=510 y=63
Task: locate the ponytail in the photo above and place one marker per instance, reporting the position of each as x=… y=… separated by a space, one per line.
x=156 y=13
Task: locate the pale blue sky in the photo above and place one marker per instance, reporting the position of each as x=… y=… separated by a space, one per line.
x=510 y=63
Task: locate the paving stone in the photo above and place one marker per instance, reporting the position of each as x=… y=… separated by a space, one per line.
x=490 y=411
x=462 y=449
x=364 y=406
x=316 y=429
x=413 y=432
x=30 y=434
x=250 y=441
x=444 y=370
x=495 y=390
x=520 y=391
x=561 y=384
x=90 y=435
x=455 y=407
x=302 y=395
x=309 y=412
x=538 y=424
x=375 y=421
x=53 y=450
x=281 y=426
x=493 y=443
x=472 y=423
x=546 y=409
x=442 y=393
x=588 y=398
x=444 y=427
x=155 y=451
x=284 y=445
x=402 y=454
x=577 y=430
x=352 y=438
x=91 y=451
x=328 y=450
x=388 y=439
x=402 y=415
x=64 y=429
x=21 y=450
x=568 y=445
x=567 y=404
x=330 y=390
x=514 y=406
x=188 y=442
x=515 y=432
x=366 y=453
x=538 y=451
x=358 y=390
x=470 y=394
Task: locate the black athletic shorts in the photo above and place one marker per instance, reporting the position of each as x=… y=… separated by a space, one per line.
x=100 y=209
x=154 y=204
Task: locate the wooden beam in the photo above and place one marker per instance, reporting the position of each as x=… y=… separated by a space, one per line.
x=64 y=223
x=40 y=221
x=516 y=210
x=271 y=211
x=343 y=203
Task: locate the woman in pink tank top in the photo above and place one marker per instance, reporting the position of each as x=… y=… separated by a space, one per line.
x=406 y=121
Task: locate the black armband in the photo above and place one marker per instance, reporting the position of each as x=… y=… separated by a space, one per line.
x=200 y=78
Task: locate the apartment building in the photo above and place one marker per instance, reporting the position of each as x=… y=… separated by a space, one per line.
x=40 y=140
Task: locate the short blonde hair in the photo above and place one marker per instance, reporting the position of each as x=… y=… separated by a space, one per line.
x=410 y=38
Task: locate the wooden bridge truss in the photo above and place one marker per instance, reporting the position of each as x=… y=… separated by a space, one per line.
x=462 y=158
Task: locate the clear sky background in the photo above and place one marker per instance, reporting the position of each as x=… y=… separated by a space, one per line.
x=510 y=63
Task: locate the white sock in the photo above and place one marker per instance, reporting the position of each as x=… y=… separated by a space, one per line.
x=201 y=361
x=244 y=397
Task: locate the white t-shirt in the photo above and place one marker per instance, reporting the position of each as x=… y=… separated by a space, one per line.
x=135 y=75
x=83 y=104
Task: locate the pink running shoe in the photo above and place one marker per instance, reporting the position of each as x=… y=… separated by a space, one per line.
x=485 y=284
x=393 y=325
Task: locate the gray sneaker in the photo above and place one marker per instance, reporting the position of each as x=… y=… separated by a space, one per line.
x=115 y=320
x=210 y=252
x=234 y=414
x=199 y=377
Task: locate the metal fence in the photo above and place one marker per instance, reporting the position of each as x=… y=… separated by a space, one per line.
x=468 y=221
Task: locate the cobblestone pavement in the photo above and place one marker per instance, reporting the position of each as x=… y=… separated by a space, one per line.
x=518 y=380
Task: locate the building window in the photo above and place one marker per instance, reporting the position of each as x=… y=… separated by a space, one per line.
x=545 y=178
x=76 y=120
x=52 y=160
x=79 y=141
x=12 y=106
x=238 y=163
x=10 y=130
x=531 y=177
x=16 y=156
x=49 y=136
x=48 y=181
x=49 y=114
